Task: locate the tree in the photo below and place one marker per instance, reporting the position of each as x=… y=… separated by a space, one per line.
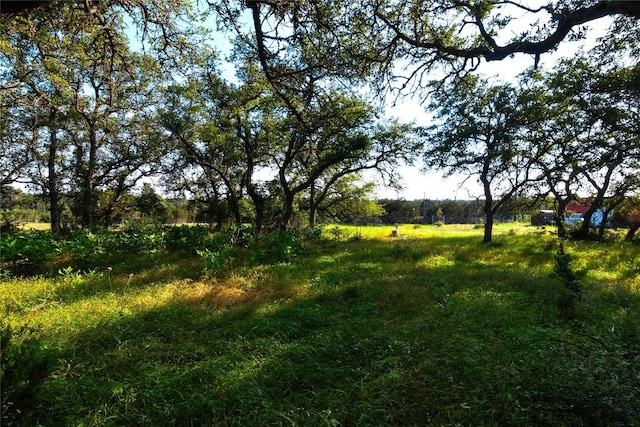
x=398 y=211
x=94 y=94
x=20 y=118
x=317 y=131
x=31 y=69
x=203 y=119
x=550 y=127
x=390 y=144
x=403 y=42
x=157 y=20
x=460 y=33
x=347 y=200
x=479 y=133
x=338 y=138
x=151 y=205
x=586 y=115
x=628 y=214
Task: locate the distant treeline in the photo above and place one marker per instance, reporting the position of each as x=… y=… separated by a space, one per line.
x=449 y=211
x=17 y=207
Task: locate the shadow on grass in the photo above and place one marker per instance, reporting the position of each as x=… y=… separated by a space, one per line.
x=365 y=333
x=183 y=363
x=135 y=272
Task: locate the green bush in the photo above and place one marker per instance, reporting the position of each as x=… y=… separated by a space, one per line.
x=90 y=247
x=25 y=253
x=312 y=234
x=275 y=247
x=186 y=239
x=10 y=221
x=283 y=246
x=570 y=279
x=216 y=262
x=82 y=246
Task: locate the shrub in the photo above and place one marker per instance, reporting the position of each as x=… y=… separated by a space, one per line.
x=25 y=253
x=312 y=234
x=136 y=238
x=82 y=246
x=283 y=246
x=570 y=279
x=10 y=221
x=186 y=239
x=575 y=233
x=217 y=261
x=336 y=232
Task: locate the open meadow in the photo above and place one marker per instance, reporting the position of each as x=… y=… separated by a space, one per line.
x=352 y=327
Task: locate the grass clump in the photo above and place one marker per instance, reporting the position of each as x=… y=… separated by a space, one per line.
x=432 y=329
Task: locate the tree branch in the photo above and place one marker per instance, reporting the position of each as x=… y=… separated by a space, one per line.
x=493 y=52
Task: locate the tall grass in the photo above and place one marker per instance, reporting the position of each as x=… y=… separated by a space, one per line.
x=428 y=328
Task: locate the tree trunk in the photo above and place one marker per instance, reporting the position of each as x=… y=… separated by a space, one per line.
x=562 y=208
x=585 y=225
x=632 y=232
x=119 y=191
x=88 y=183
x=234 y=206
x=488 y=227
x=488 y=205
x=259 y=209
x=258 y=201
x=54 y=207
x=287 y=215
x=313 y=208
x=313 y=214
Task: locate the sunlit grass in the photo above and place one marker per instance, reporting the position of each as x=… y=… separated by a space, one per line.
x=43 y=226
x=427 y=328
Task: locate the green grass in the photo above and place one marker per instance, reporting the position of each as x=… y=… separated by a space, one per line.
x=430 y=328
x=43 y=226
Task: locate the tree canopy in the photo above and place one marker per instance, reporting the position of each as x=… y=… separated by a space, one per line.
x=97 y=97
x=403 y=42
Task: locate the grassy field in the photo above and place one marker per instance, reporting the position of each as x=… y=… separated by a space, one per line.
x=36 y=226
x=358 y=329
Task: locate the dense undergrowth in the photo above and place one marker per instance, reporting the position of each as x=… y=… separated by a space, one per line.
x=185 y=327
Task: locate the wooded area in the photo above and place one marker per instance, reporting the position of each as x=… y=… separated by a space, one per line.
x=100 y=97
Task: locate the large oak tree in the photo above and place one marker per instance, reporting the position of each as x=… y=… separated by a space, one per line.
x=478 y=133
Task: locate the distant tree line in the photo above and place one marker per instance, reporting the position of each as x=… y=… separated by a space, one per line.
x=148 y=206
x=18 y=207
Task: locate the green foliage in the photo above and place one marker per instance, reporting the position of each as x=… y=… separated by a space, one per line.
x=216 y=262
x=88 y=248
x=17 y=208
x=10 y=221
x=312 y=234
x=151 y=206
x=275 y=247
x=336 y=232
x=25 y=253
x=278 y=246
x=186 y=239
